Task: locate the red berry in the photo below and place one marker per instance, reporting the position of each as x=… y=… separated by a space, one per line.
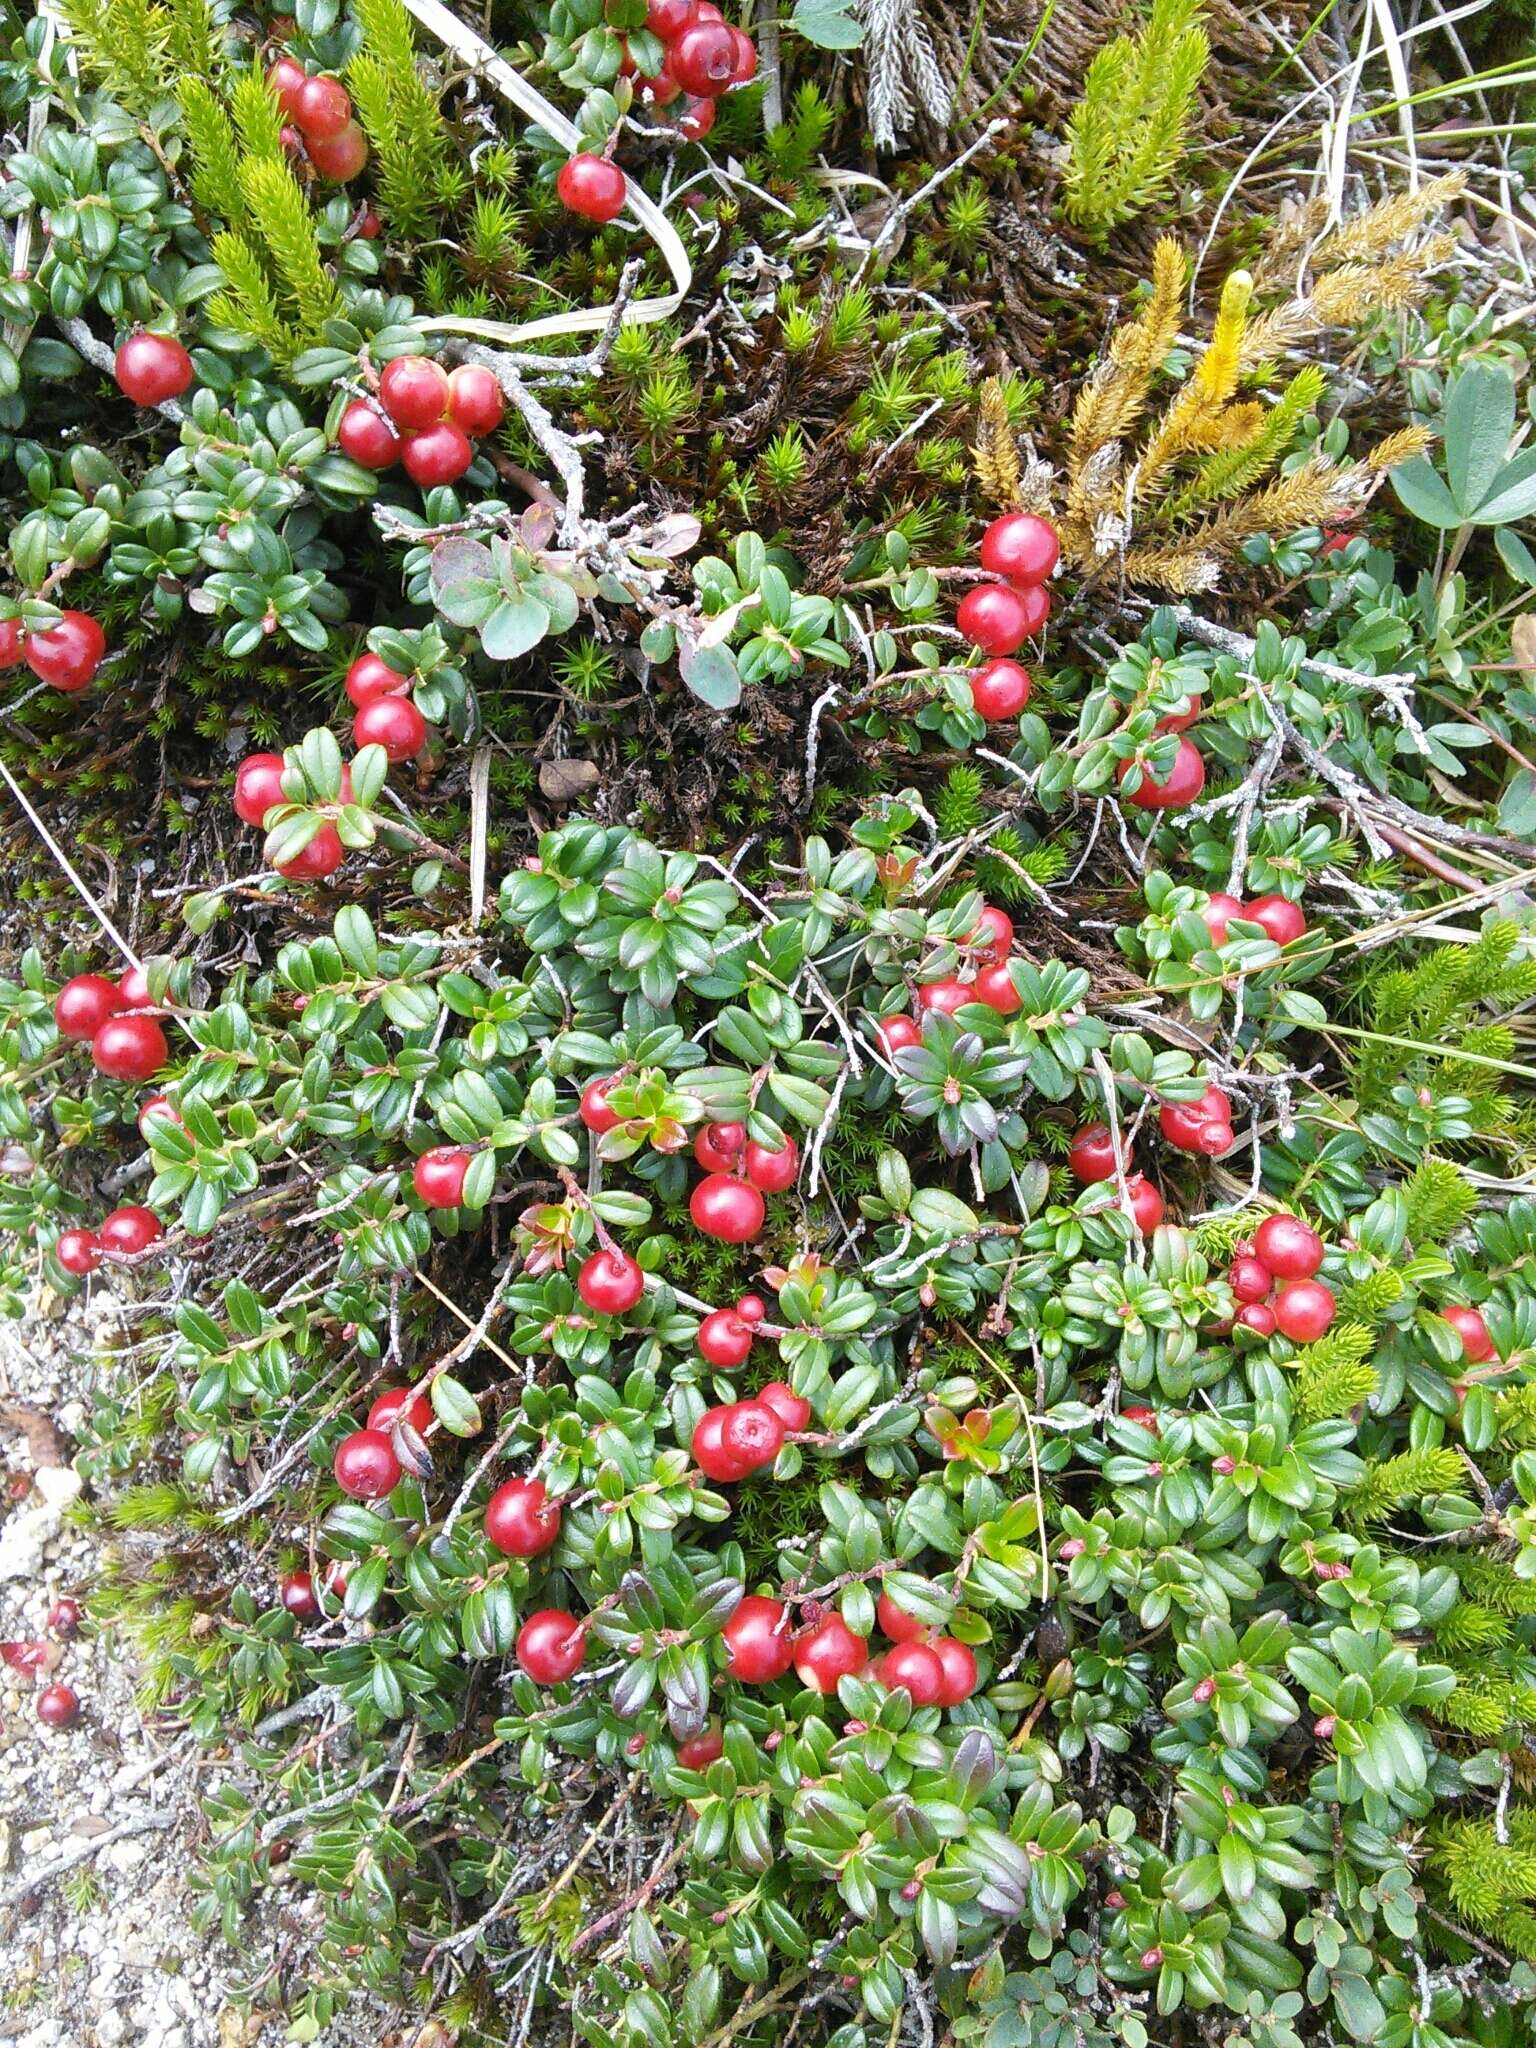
x=828 y=1652
x=1145 y=1417
x=150 y=368
x=296 y=1591
x=1476 y=1344
x=700 y=1751
x=370 y=677
x=1037 y=606
x=1249 y=1278
x=752 y=1309
x=718 y=1147
x=392 y=723
x=995 y=988
x=994 y=928
x=724 y=1340
x=896 y=1032
x=1092 y=1154
x=69 y=653
x=900 y=1626
x=696 y=119
x=84 y=1004
x=134 y=990
x=1146 y=1203
x=322 y=856
x=709 y=1452
x=1184 y=1123
x=915 y=1669
x=365 y=1465
x=414 y=391
x=130 y=1048
x=129 y=1230
x=999 y=690
x=369 y=226
x=592 y=186
x=610 y=1283
x=959 y=1670
x=757 y=1636
x=64 y=1617
x=437 y=455
x=322 y=109
x=77 y=1251
x=1178 y=788
x=286 y=77
x=1257 y=1316
x=369 y=438
x=395 y=1402
x=594 y=1111
x=475 y=402
x=661 y=89
x=703 y=58
x=667 y=18
x=551 y=1645
x=726 y=1209
x=58 y=1706
x=1303 y=1310
x=745 y=69
x=1181 y=721
x=340 y=157
x=994 y=618
x=792 y=1409
x=258 y=787
x=11 y=650
x=1021 y=546
x=1217 y=912
x=1288 y=1247
x=520 y=1518
x=947 y=996
x=752 y=1433
x=1281 y=919
x=773 y=1172
x=438 y=1176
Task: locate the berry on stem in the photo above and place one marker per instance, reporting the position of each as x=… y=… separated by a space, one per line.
x=959 y=1670
x=594 y=1111
x=78 y=1252
x=757 y=1636
x=592 y=186
x=129 y=1230
x=895 y=1621
x=322 y=109
x=914 y=1668
x=551 y=1645
x=708 y=1448
x=520 y=1518
x=438 y=1176
x=610 y=1283
x=369 y=438
x=296 y=1592
x=718 y=1147
x=1146 y=1203
x=396 y=1402
x=724 y=1340
x=1219 y=910
x=369 y=678
x=365 y=1465
x=752 y=1433
x=68 y=654
x=703 y=58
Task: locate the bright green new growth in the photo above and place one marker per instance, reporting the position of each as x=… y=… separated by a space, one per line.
x=1126 y=136
x=400 y=116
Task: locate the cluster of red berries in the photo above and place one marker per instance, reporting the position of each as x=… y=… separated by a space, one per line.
x=65 y=655
x=121 y=1235
x=259 y=789
x=366 y=1465
x=1091 y=1156
x=1281 y=919
x=58 y=1706
x=1184 y=780
x=726 y=1334
x=934 y=1670
x=990 y=983
x=738 y=1438
x=727 y=1203
x=297 y=1594
x=1020 y=551
x=151 y=368
x=112 y=1017
x=424 y=417
x=319 y=113
x=1272 y=1279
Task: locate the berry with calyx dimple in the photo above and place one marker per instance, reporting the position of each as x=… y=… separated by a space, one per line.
x=78 y=1252
x=592 y=186
x=594 y=1110
x=1303 y=1310
x=959 y=1670
x=1021 y=546
x=1249 y=1278
x=371 y=677
x=1174 y=791
x=67 y=655
x=757 y=1636
x=475 y=402
x=718 y=1147
x=752 y=1433
x=296 y=1591
x=792 y=1409
x=129 y=1230
x=703 y=58
x=437 y=455
x=438 y=1176
x=914 y=1668
x=999 y=690
x=414 y=391
x=322 y=856
x=339 y=157
x=724 y=1340
x=1219 y=910
x=727 y=1209
x=84 y=1004
x=520 y=1518
x=258 y=787
x=1476 y=1344
x=994 y=618
x=392 y=723
x=151 y=368
x=1091 y=1155
x=368 y=437
x=1290 y=1249
x=1185 y=1124
x=130 y=1047
x=322 y=108
x=551 y=1645
x=58 y=1706
x=1281 y=919
x=365 y=1465
x=829 y=1652
x=772 y=1172
x=397 y=1401
x=708 y=1449
x=610 y=1283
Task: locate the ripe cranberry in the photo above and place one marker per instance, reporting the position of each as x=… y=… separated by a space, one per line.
x=994 y=928
x=757 y=1636
x=370 y=677
x=700 y=1751
x=340 y=157
x=1146 y=1417
x=58 y=1706
x=703 y=58
x=1146 y=1203
x=914 y=1668
x=708 y=1448
x=258 y=787
x=64 y=1617
x=1092 y=1154
x=752 y=1309
x=1288 y=1247
x=520 y=1518
x=1281 y=919
x=594 y=1111
x=1303 y=1310
x=395 y=1402
x=828 y=1652
x=896 y=1032
x=290 y=138
x=365 y=1465
x=1257 y=1316
x=1178 y=788
x=551 y=1645
x=696 y=119
x=322 y=856
x=414 y=391
x=438 y=1176
x=1218 y=911
x=752 y=1433
x=84 y=1004
x=660 y=90
x=336 y=1577
x=668 y=18
x=999 y=690
x=130 y=1048
x=900 y=1626
x=322 y=108
x=10 y=643
x=591 y=186
x=437 y=455
x=1476 y=1344
x=369 y=226
x=129 y=1230
x=610 y=1283
x=1184 y=1123
x=995 y=988
x=744 y=70
x=475 y=402
x=1037 y=606
x=134 y=990
x=718 y=1147
x=286 y=77
x=150 y=368
x=69 y=653
x=959 y=1670
x=296 y=1591
x=726 y=1209
x=792 y=1409
x=1249 y=1278
x=392 y=723
x=1021 y=546
x=773 y=1172
x=78 y=1251
x=993 y=617
x=724 y=1340
x=947 y=996
x=368 y=437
